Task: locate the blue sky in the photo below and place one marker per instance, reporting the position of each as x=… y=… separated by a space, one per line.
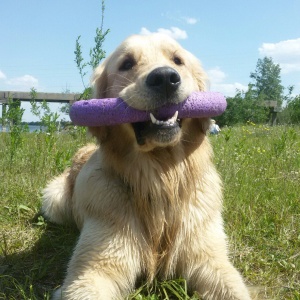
x=38 y=38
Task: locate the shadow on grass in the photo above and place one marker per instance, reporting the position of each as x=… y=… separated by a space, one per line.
x=35 y=273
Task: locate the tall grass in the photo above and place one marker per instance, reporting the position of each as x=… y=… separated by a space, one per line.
x=261 y=171
x=33 y=254
x=260 y=167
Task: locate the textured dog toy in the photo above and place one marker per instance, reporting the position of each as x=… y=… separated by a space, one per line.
x=113 y=111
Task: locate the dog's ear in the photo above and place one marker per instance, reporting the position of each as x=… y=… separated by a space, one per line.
x=200 y=76
x=99 y=84
x=99 y=81
x=198 y=73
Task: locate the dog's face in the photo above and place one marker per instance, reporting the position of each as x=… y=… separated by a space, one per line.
x=148 y=72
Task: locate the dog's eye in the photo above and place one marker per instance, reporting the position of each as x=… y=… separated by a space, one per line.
x=127 y=64
x=177 y=60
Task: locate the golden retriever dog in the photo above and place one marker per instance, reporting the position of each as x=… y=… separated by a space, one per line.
x=148 y=199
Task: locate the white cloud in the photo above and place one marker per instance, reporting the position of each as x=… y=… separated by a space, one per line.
x=190 y=21
x=2 y=75
x=178 y=17
x=174 y=32
x=22 y=83
x=216 y=75
x=228 y=89
x=216 y=78
x=145 y=31
x=285 y=53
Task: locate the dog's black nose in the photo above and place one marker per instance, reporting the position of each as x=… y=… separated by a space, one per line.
x=164 y=80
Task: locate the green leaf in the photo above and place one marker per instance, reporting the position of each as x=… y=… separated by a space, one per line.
x=24 y=207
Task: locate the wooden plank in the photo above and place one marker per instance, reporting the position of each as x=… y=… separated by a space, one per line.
x=49 y=97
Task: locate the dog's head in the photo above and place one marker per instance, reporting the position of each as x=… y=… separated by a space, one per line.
x=148 y=72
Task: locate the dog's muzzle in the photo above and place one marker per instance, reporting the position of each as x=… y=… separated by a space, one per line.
x=163 y=82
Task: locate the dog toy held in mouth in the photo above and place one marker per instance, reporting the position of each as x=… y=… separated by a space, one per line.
x=113 y=111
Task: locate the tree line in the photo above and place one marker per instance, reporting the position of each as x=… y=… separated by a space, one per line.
x=265 y=101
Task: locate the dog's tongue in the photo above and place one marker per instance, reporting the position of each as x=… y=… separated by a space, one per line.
x=113 y=111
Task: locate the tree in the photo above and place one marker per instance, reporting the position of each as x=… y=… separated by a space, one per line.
x=268 y=84
x=291 y=113
x=267 y=80
x=250 y=105
x=96 y=54
x=243 y=107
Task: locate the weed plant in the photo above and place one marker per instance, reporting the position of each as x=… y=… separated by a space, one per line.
x=14 y=115
x=260 y=167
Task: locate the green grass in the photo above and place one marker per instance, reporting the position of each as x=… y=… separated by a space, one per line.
x=261 y=170
x=260 y=167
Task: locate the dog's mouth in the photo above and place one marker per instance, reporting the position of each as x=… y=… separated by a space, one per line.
x=162 y=132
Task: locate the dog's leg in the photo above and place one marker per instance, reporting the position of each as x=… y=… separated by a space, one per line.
x=105 y=263
x=205 y=265
x=218 y=281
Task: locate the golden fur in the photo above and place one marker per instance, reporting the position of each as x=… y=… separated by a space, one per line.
x=148 y=200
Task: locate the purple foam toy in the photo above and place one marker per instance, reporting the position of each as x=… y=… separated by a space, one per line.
x=113 y=111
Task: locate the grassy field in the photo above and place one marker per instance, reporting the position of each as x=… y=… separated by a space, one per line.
x=260 y=167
